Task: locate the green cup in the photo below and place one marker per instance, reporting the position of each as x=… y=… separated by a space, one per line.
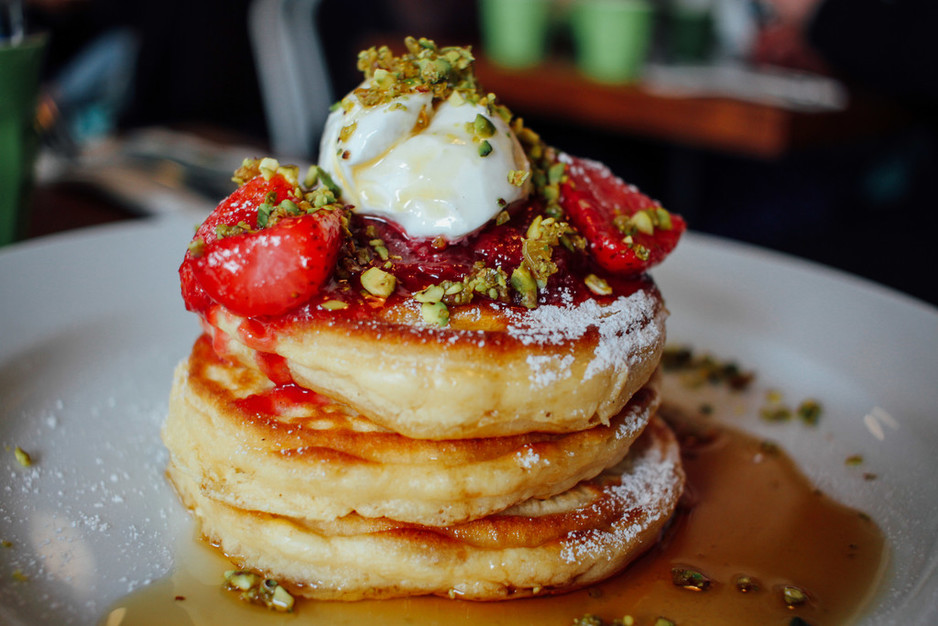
x=689 y=34
x=20 y=67
x=611 y=38
x=515 y=32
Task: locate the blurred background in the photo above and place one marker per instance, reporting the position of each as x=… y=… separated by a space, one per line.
x=805 y=126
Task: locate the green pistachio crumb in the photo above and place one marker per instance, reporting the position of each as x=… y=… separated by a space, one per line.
x=689 y=579
x=485 y=149
x=746 y=584
x=483 y=127
x=597 y=285
x=268 y=167
x=523 y=282
x=587 y=620
x=854 y=460
x=642 y=222
x=197 y=247
x=794 y=596
x=435 y=313
x=19 y=576
x=346 y=132
x=334 y=305
x=664 y=621
x=809 y=411
x=775 y=413
x=22 y=457
x=518 y=177
x=6 y=543
x=265 y=592
x=377 y=282
x=433 y=293
x=502 y=217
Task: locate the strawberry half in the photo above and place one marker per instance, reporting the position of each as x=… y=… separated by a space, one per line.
x=627 y=231
x=260 y=272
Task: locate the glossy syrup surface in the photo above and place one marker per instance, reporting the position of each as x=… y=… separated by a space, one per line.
x=747 y=510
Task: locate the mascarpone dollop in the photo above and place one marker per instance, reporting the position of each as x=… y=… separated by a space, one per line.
x=419 y=164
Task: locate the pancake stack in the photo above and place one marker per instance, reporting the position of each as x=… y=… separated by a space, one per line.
x=368 y=454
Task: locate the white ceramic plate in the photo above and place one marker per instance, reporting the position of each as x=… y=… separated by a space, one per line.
x=91 y=326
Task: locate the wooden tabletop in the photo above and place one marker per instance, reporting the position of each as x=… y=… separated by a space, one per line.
x=556 y=90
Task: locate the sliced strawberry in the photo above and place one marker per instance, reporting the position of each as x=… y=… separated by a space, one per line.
x=241 y=206
x=273 y=270
x=599 y=204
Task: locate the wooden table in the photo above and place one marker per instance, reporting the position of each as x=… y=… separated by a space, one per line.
x=555 y=90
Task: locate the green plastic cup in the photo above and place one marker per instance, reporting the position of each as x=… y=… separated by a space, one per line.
x=515 y=32
x=689 y=34
x=611 y=38
x=20 y=67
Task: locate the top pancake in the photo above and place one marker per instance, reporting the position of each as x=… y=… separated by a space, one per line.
x=494 y=370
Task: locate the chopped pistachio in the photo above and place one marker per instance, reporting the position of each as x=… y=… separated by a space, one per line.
x=625 y=620
x=435 y=313
x=746 y=584
x=523 y=282
x=19 y=576
x=663 y=218
x=664 y=621
x=228 y=230
x=312 y=176
x=334 y=305
x=6 y=543
x=346 y=132
x=22 y=457
x=238 y=579
x=642 y=222
x=266 y=592
x=433 y=293
x=518 y=177
x=450 y=288
x=485 y=149
x=502 y=217
x=809 y=411
x=775 y=413
x=597 y=285
x=281 y=599
x=587 y=620
x=689 y=579
x=854 y=460
x=794 y=596
x=268 y=167
x=377 y=282
x=641 y=252
x=483 y=127
x=197 y=247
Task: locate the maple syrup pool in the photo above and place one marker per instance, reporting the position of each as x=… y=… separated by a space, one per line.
x=752 y=542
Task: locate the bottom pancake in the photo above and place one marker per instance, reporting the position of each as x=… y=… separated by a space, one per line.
x=537 y=547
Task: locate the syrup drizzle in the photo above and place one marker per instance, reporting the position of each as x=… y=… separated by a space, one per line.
x=747 y=510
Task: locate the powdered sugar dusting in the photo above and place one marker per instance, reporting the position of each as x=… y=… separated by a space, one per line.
x=627 y=326
x=546 y=370
x=89 y=519
x=650 y=478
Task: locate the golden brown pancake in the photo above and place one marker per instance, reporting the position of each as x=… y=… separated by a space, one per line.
x=538 y=547
x=292 y=452
x=493 y=371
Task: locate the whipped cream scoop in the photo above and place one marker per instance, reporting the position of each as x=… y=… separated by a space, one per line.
x=434 y=169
